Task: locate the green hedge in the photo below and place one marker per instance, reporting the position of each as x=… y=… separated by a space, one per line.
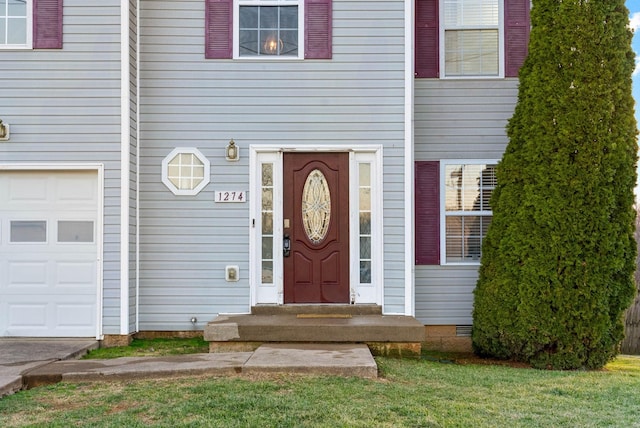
x=559 y=256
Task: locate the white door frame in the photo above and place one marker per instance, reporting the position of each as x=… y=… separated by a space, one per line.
x=273 y=292
x=99 y=169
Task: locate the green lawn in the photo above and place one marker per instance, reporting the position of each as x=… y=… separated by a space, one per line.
x=152 y=348
x=432 y=392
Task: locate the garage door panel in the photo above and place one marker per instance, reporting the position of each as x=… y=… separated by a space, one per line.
x=28 y=315
x=33 y=273
x=23 y=187
x=75 y=190
x=71 y=316
x=46 y=276
x=51 y=317
x=76 y=275
x=70 y=189
x=48 y=280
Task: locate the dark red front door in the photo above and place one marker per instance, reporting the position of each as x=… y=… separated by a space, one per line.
x=316 y=223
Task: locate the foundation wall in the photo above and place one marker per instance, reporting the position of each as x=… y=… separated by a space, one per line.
x=445 y=338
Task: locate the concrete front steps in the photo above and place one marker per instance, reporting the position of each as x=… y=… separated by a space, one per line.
x=391 y=335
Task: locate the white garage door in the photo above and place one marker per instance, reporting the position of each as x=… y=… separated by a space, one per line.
x=48 y=253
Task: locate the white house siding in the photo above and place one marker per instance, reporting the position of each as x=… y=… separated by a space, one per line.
x=64 y=106
x=355 y=98
x=457 y=119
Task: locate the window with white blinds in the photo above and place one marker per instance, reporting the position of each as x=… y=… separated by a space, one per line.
x=471 y=37
x=467 y=214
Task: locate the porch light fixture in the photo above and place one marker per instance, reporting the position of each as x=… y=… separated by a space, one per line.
x=232 y=153
x=4 y=131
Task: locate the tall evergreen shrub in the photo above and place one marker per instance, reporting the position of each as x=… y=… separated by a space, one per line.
x=558 y=259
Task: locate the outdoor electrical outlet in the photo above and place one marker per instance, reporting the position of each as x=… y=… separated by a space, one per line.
x=232 y=273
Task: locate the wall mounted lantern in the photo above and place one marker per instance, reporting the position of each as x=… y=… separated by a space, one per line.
x=4 y=131
x=232 y=153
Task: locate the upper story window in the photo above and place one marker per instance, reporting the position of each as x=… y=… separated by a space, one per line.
x=471 y=38
x=269 y=28
x=27 y=24
x=471 y=34
x=15 y=23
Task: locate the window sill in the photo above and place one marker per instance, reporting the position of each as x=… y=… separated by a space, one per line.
x=472 y=78
x=268 y=59
x=462 y=264
x=15 y=48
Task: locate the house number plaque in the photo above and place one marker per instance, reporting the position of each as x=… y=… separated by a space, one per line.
x=227 y=196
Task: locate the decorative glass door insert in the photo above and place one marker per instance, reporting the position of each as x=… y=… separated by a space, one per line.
x=316 y=206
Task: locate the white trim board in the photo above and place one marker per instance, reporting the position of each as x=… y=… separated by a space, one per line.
x=125 y=147
x=409 y=256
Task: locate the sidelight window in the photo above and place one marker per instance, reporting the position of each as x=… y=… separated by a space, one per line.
x=364 y=193
x=267 y=222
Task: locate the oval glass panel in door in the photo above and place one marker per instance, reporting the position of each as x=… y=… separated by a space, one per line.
x=316 y=206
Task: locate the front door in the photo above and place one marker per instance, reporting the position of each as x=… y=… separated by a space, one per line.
x=316 y=227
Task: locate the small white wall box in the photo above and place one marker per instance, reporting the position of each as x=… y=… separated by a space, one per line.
x=232 y=273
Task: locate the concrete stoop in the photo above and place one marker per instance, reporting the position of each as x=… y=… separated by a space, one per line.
x=392 y=335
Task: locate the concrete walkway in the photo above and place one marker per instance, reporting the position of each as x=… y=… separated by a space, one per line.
x=27 y=363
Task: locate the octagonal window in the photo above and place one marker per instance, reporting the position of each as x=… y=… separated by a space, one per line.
x=185 y=171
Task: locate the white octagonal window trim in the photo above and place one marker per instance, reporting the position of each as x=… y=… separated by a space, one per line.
x=185 y=171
